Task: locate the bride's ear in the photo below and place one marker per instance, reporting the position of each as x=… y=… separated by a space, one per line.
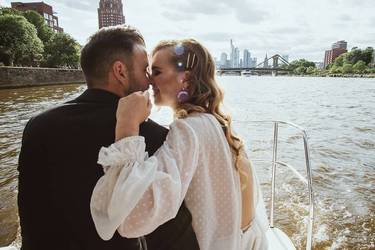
x=184 y=76
x=187 y=74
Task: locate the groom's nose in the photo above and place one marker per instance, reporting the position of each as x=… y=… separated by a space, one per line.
x=150 y=78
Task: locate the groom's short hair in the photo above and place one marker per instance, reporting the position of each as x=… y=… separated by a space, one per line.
x=106 y=46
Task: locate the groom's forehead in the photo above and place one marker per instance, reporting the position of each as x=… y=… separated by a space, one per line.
x=139 y=49
x=140 y=56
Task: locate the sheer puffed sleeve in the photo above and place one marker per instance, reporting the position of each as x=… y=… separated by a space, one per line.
x=139 y=193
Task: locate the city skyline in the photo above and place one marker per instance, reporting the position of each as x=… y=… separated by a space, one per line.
x=298 y=28
x=233 y=59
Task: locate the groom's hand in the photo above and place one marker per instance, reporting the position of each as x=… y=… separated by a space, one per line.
x=132 y=110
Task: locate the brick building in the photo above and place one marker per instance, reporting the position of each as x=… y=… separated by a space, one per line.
x=110 y=13
x=337 y=49
x=43 y=9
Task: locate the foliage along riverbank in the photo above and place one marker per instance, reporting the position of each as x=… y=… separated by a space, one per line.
x=355 y=63
x=26 y=40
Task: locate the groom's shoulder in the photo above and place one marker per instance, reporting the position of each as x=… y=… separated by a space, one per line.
x=151 y=125
x=153 y=133
x=48 y=115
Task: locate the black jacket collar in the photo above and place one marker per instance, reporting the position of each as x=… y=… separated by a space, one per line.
x=96 y=96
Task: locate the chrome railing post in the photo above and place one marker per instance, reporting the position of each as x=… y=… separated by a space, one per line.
x=274 y=163
x=311 y=194
x=307 y=181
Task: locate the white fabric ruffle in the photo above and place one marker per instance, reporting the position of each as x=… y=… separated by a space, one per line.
x=115 y=196
x=124 y=151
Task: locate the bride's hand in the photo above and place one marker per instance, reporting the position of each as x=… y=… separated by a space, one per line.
x=132 y=110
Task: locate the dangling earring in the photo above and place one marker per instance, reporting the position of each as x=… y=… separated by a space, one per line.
x=182 y=95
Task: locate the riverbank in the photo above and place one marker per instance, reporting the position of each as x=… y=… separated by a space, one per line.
x=335 y=76
x=19 y=77
x=372 y=75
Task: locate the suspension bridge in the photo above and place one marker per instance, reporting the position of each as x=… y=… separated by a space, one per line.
x=275 y=65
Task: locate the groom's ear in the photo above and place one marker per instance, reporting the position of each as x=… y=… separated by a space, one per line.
x=120 y=72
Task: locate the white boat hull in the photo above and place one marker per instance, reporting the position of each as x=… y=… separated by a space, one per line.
x=278 y=240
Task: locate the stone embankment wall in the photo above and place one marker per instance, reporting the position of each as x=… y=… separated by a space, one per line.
x=17 y=77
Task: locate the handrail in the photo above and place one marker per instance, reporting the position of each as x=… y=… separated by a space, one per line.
x=307 y=181
x=273 y=181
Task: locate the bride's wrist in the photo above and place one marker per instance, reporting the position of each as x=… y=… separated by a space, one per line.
x=126 y=130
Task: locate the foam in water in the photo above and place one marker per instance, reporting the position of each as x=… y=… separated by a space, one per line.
x=321 y=234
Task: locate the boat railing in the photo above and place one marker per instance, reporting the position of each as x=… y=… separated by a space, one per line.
x=306 y=180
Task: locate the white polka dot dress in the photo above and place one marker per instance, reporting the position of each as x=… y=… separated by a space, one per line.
x=139 y=193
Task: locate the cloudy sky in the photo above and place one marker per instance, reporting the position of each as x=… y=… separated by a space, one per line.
x=298 y=28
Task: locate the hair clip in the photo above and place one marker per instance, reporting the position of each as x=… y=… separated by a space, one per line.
x=190 y=64
x=192 y=61
x=187 y=61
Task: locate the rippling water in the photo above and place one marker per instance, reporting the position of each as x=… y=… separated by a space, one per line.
x=338 y=114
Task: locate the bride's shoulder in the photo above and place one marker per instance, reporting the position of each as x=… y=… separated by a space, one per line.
x=194 y=119
x=197 y=123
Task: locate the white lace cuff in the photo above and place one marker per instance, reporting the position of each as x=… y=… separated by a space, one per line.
x=126 y=150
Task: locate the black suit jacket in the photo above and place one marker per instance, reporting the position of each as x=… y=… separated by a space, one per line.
x=58 y=170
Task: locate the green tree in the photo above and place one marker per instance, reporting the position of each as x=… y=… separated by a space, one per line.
x=347 y=68
x=10 y=11
x=45 y=33
x=356 y=55
x=300 y=66
x=359 y=67
x=339 y=61
x=311 y=70
x=335 y=69
x=19 y=43
x=367 y=55
x=62 y=51
x=300 y=70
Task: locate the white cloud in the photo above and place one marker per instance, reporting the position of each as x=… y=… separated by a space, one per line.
x=243 y=11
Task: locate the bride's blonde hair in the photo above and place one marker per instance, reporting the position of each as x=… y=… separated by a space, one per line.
x=205 y=95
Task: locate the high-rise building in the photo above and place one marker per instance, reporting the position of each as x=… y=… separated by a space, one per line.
x=223 y=60
x=340 y=45
x=110 y=13
x=236 y=58
x=254 y=62
x=44 y=10
x=246 y=59
x=337 y=49
x=232 y=54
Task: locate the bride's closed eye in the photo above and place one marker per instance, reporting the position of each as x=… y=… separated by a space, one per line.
x=155 y=72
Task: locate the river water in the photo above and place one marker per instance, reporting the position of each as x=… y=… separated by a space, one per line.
x=338 y=114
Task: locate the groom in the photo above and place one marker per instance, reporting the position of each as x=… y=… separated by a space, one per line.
x=58 y=160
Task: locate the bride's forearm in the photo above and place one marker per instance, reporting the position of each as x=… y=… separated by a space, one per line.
x=125 y=130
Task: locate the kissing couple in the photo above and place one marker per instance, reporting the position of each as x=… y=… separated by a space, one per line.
x=96 y=173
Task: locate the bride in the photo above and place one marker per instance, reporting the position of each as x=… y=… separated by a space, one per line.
x=202 y=161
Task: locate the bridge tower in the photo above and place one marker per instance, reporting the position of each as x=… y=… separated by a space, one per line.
x=265 y=63
x=275 y=62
